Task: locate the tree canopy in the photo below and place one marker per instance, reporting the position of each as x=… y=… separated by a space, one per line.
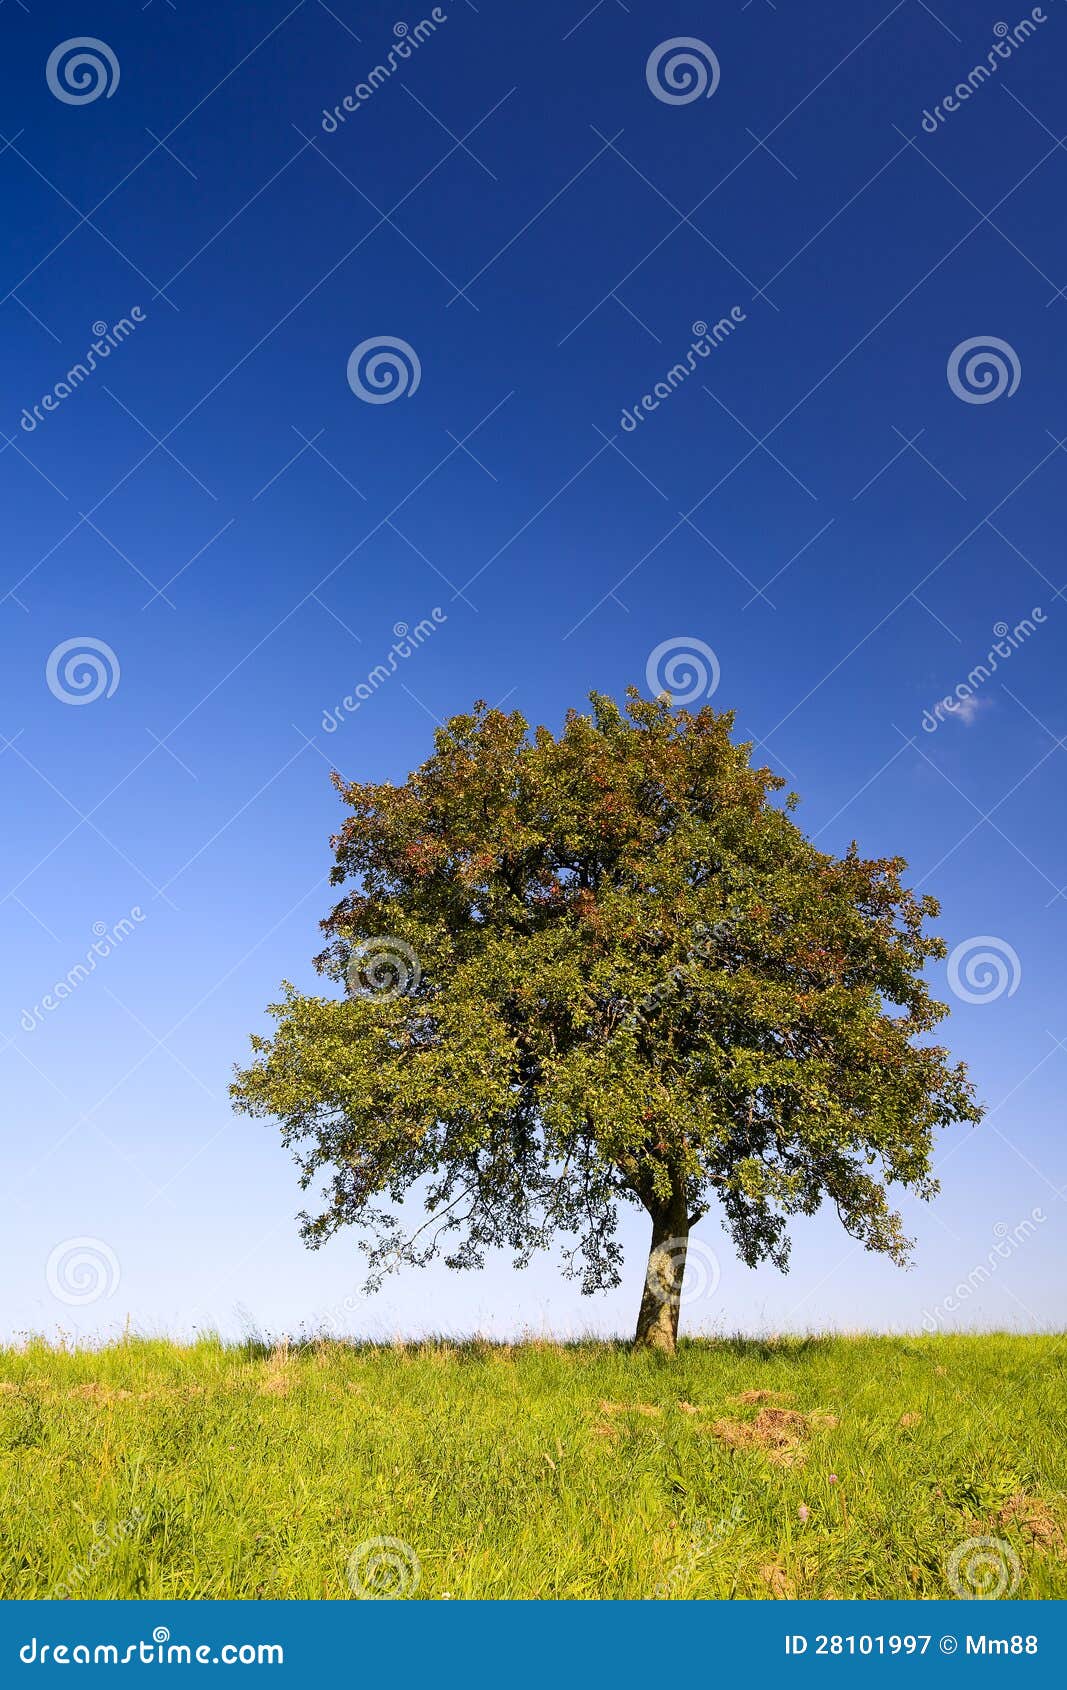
x=598 y=968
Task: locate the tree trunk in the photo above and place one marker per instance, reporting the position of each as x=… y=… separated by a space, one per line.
x=657 y=1323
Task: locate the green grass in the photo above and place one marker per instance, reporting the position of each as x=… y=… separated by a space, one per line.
x=149 y=1469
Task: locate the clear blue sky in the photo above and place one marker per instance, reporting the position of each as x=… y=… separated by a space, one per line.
x=217 y=507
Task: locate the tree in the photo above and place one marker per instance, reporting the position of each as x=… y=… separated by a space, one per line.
x=602 y=968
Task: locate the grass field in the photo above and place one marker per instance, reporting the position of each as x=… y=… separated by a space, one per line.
x=792 y=1467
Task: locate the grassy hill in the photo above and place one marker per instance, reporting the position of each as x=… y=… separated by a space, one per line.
x=847 y=1467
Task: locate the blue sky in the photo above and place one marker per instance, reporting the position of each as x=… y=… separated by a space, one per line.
x=828 y=502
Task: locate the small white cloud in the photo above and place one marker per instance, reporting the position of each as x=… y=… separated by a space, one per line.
x=968 y=708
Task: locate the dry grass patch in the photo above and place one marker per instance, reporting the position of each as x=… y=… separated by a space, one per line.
x=1035 y=1519
x=777 y=1433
